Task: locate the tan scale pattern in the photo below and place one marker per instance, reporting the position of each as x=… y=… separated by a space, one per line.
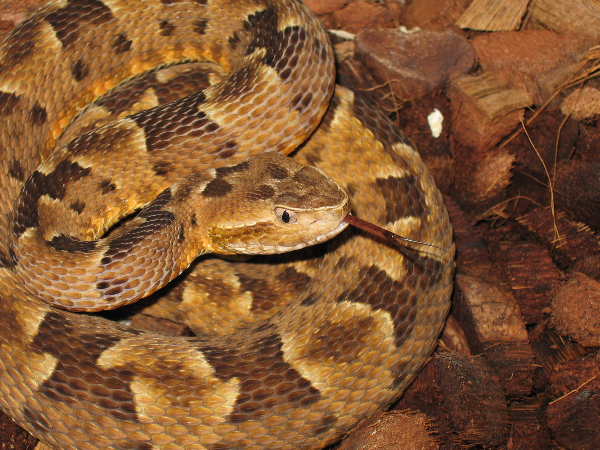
x=351 y=323
x=221 y=210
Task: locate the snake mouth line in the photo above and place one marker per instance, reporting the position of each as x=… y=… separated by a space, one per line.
x=263 y=249
x=341 y=227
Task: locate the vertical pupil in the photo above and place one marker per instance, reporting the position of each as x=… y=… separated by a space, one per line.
x=285 y=216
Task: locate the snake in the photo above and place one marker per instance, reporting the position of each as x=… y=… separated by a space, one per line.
x=346 y=328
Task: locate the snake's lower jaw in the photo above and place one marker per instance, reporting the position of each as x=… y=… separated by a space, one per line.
x=325 y=237
x=259 y=238
x=266 y=249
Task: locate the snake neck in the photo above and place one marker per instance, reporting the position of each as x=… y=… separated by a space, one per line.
x=269 y=204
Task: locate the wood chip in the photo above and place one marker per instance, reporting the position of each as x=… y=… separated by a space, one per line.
x=574 y=16
x=582 y=104
x=493 y=15
x=576 y=310
x=474 y=399
x=485 y=109
x=572 y=415
x=393 y=430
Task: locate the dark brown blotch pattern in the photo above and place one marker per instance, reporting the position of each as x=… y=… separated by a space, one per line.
x=8 y=103
x=68 y=22
x=166 y=28
x=309 y=300
x=162 y=124
x=340 y=343
x=199 y=26
x=312 y=158
x=282 y=47
x=217 y=188
x=107 y=141
x=122 y=44
x=185 y=189
x=9 y=261
x=78 y=206
x=226 y=154
x=325 y=424
x=240 y=81
x=162 y=168
x=263 y=28
x=277 y=172
x=37 y=185
x=297 y=281
x=20 y=45
x=234 y=40
x=352 y=189
x=302 y=101
x=149 y=221
x=69 y=244
x=144 y=447
x=124 y=97
x=263 y=296
x=398 y=298
x=15 y=170
x=79 y=70
x=183 y=85
x=268 y=384
x=117 y=101
x=39 y=116
x=106 y=186
x=227 y=170
x=37 y=420
x=403 y=197
x=261 y=192
x=77 y=378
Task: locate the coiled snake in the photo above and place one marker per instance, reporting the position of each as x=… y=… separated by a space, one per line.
x=361 y=320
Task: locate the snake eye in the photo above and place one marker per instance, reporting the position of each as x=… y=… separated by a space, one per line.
x=286 y=216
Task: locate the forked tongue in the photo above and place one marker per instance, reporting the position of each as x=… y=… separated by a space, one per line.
x=382 y=233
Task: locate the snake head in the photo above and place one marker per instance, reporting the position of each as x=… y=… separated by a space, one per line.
x=272 y=205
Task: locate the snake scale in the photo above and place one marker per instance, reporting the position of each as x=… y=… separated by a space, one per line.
x=359 y=319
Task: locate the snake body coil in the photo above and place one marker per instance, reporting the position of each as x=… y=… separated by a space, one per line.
x=361 y=320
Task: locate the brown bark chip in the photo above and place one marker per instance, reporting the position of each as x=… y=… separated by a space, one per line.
x=325 y=6
x=532 y=275
x=434 y=14
x=576 y=310
x=493 y=15
x=392 y=431
x=582 y=104
x=474 y=399
x=485 y=109
x=578 y=190
x=357 y=16
x=414 y=64
x=576 y=16
x=536 y=62
x=573 y=414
